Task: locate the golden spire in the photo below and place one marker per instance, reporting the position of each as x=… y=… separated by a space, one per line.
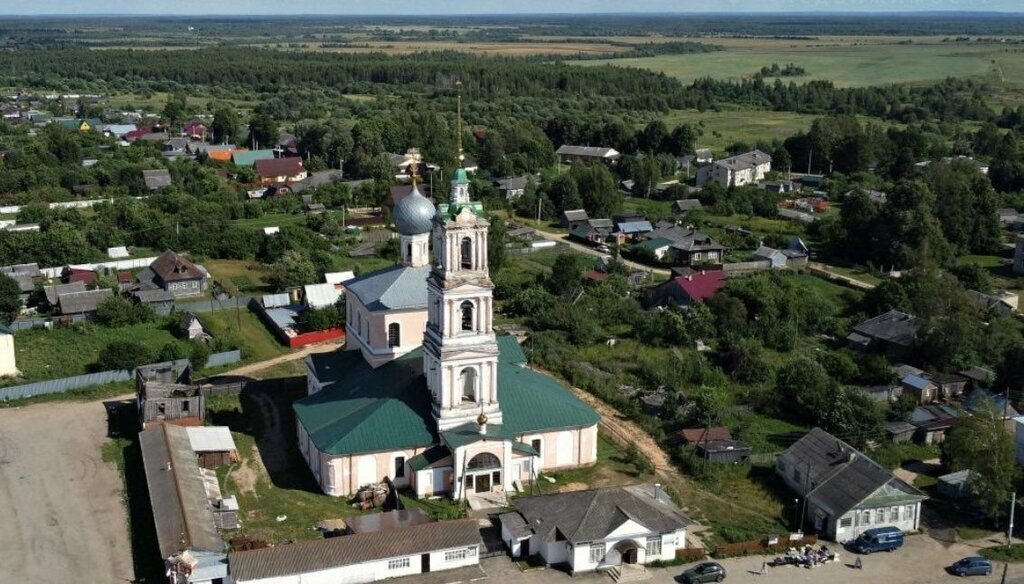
x=414 y=168
x=458 y=123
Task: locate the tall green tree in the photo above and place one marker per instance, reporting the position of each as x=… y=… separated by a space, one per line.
x=225 y=126
x=262 y=131
x=980 y=443
x=10 y=303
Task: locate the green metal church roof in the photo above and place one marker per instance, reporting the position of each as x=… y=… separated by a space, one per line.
x=460 y=176
x=362 y=409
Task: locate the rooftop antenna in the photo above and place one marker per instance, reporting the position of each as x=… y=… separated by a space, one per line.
x=458 y=122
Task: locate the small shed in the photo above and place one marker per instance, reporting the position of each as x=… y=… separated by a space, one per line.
x=190 y=326
x=900 y=431
x=213 y=445
x=723 y=451
x=955 y=485
x=118 y=252
x=775 y=258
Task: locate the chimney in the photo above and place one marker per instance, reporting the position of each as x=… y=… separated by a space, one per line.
x=657 y=491
x=689 y=277
x=702 y=272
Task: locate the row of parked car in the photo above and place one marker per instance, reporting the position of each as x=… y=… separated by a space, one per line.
x=882 y=539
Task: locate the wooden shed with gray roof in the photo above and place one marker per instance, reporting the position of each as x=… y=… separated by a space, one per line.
x=183 y=518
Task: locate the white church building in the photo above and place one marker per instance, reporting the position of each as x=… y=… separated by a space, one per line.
x=424 y=392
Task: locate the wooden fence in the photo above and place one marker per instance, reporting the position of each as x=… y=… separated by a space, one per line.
x=767 y=545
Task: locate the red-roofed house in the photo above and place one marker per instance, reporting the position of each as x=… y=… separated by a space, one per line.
x=596 y=276
x=686 y=290
x=281 y=170
x=79 y=275
x=195 y=130
x=135 y=134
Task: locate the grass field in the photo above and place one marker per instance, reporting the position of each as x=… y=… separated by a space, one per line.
x=844 y=63
x=505 y=49
x=243 y=328
x=239 y=276
x=723 y=128
x=63 y=352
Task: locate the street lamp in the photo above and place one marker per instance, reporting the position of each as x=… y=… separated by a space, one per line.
x=796 y=513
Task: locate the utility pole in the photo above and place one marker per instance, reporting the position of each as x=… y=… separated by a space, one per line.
x=1009 y=530
x=810 y=154
x=539 y=200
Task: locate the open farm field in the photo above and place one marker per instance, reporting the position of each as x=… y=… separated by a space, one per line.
x=722 y=128
x=507 y=49
x=845 y=64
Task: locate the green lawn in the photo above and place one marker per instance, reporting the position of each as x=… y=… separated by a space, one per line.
x=63 y=352
x=846 y=65
x=612 y=469
x=272 y=220
x=243 y=328
x=240 y=276
x=723 y=128
x=283 y=503
x=755 y=223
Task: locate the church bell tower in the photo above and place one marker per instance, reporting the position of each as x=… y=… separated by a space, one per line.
x=460 y=352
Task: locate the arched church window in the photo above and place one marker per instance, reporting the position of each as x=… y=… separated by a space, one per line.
x=394 y=335
x=467 y=381
x=483 y=461
x=467 y=315
x=467 y=253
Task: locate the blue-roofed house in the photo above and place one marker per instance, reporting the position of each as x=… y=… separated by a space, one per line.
x=632 y=229
x=424 y=393
x=920 y=387
x=985 y=401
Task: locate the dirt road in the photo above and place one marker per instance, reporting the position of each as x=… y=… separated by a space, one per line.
x=247 y=370
x=62 y=518
x=557 y=237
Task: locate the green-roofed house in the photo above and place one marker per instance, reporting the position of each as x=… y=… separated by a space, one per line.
x=424 y=392
x=658 y=246
x=249 y=157
x=82 y=125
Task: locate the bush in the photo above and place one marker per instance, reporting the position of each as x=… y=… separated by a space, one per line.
x=126 y=355
x=118 y=311
x=199 y=354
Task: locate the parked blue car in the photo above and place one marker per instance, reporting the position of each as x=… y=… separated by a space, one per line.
x=972 y=566
x=879 y=539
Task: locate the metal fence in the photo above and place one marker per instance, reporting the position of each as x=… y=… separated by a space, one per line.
x=93 y=379
x=212 y=305
x=225 y=358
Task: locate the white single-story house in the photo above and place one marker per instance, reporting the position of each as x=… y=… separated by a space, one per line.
x=7 y=364
x=846 y=492
x=596 y=529
x=362 y=557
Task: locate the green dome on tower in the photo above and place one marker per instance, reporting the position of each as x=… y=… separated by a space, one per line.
x=460 y=176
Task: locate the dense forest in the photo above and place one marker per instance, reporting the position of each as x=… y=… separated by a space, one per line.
x=175 y=31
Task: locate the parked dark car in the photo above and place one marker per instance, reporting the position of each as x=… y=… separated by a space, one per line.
x=972 y=566
x=706 y=572
x=879 y=539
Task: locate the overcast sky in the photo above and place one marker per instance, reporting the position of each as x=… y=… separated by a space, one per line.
x=426 y=7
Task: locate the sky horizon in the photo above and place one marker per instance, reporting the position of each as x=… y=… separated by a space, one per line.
x=430 y=8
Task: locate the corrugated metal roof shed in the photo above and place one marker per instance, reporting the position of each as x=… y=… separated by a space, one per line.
x=321 y=295
x=210 y=438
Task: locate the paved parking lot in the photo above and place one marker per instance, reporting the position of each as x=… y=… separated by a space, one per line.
x=61 y=513
x=920 y=561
